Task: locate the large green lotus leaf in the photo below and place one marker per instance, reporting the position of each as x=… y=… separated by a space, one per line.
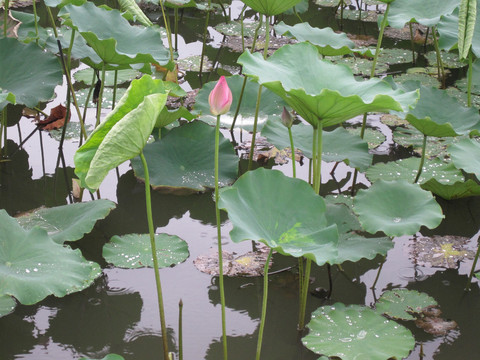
x=271 y=7
x=68 y=222
x=319 y=90
x=113 y=38
x=426 y=12
x=7 y=305
x=458 y=190
x=31 y=80
x=338 y=145
x=466 y=155
x=183 y=160
x=270 y=104
x=300 y=8
x=185 y=4
x=438 y=114
x=401 y=303
x=33 y=266
x=397 y=208
x=356 y=332
x=260 y=204
x=133 y=250
x=410 y=137
x=327 y=41
x=124 y=132
x=138 y=15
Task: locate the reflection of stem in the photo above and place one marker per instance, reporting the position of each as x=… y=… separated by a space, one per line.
x=264 y=305
x=378 y=273
x=219 y=239
x=439 y=58
x=303 y=303
x=422 y=159
x=300 y=278
x=293 y=151
x=148 y=204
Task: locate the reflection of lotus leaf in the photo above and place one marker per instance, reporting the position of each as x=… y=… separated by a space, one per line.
x=440 y=251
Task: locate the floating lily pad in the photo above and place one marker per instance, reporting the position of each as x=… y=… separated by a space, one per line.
x=192 y=63
x=271 y=7
x=67 y=222
x=234 y=28
x=395 y=56
x=466 y=155
x=440 y=251
x=133 y=251
x=7 y=305
x=361 y=66
x=397 y=208
x=249 y=264
x=254 y=208
x=123 y=76
x=72 y=132
x=107 y=100
x=373 y=137
x=393 y=120
x=33 y=266
x=108 y=357
x=183 y=160
x=367 y=16
x=462 y=97
x=425 y=79
x=401 y=303
x=331 y=3
x=356 y=332
x=427 y=13
x=449 y=60
x=411 y=137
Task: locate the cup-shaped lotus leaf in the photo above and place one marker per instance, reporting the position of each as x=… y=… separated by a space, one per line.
x=124 y=132
x=271 y=7
x=319 y=90
x=283 y=213
x=397 y=208
x=425 y=12
x=438 y=114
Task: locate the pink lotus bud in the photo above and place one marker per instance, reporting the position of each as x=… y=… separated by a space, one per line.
x=220 y=98
x=287 y=118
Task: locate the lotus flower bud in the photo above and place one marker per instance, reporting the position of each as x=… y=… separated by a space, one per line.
x=287 y=118
x=220 y=99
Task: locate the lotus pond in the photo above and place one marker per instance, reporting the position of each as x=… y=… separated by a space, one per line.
x=361 y=243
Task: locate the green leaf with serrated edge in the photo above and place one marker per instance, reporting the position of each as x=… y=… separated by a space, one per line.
x=133 y=251
x=397 y=208
x=33 y=266
x=426 y=12
x=401 y=303
x=68 y=222
x=356 y=332
x=257 y=213
x=319 y=90
x=124 y=132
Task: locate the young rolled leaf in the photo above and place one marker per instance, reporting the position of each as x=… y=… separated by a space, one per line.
x=271 y=7
x=33 y=266
x=260 y=205
x=319 y=90
x=124 y=132
x=467 y=17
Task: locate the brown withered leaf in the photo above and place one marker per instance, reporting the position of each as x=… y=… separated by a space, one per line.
x=56 y=120
x=12 y=24
x=435 y=325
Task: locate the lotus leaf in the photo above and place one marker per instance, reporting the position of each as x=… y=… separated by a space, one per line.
x=457 y=190
x=410 y=137
x=356 y=332
x=134 y=10
x=438 y=114
x=426 y=12
x=367 y=16
x=133 y=251
x=108 y=357
x=123 y=76
x=300 y=8
x=271 y=7
x=270 y=104
x=328 y=42
x=7 y=305
x=374 y=137
x=338 y=145
x=318 y=90
x=331 y=3
x=401 y=303
x=67 y=222
x=124 y=132
x=16 y=77
x=360 y=66
x=258 y=213
x=107 y=99
x=449 y=60
x=397 y=208
x=33 y=266
x=184 y=4
x=234 y=28
x=183 y=160
x=114 y=40
x=466 y=155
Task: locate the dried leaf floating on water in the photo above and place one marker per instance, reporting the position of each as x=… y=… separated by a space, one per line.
x=56 y=119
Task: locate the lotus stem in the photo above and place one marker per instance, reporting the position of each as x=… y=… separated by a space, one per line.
x=422 y=159
x=259 y=95
x=219 y=239
x=303 y=302
x=245 y=79
x=264 y=305
x=412 y=41
x=100 y=96
x=148 y=204
x=205 y=30
x=180 y=330
x=469 y=79
x=167 y=29
x=3 y=124
x=378 y=274
x=297 y=14
x=472 y=271
x=440 y=68
x=300 y=278
x=115 y=79
x=317 y=169
x=42 y=152
x=52 y=20
x=175 y=28
x=293 y=151
x=5 y=20
x=69 y=51
x=34 y=19
x=85 y=108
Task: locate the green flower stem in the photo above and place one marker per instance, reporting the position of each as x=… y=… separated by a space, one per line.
x=293 y=151
x=472 y=271
x=35 y=20
x=219 y=239
x=69 y=51
x=264 y=305
x=317 y=175
x=422 y=159
x=300 y=278
x=303 y=302
x=148 y=203
x=100 y=96
x=245 y=78
x=167 y=28
x=441 y=69
x=469 y=79
x=114 y=89
x=52 y=20
x=205 y=30
x=5 y=20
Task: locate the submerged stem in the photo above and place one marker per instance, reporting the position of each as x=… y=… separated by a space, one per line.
x=219 y=239
x=422 y=159
x=148 y=204
x=264 y=305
